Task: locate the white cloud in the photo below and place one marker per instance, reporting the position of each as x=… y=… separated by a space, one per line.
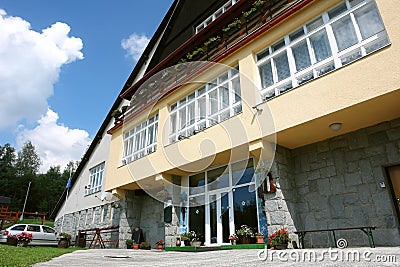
x=55 y=143
x=135 y=45
x=30 y=66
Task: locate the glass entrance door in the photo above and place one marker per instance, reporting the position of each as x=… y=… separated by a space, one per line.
x=220 y=217
x=229 y=198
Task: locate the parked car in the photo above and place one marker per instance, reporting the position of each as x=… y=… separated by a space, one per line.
x=42 y=234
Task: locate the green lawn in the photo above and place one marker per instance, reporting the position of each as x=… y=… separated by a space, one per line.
x=20 y=256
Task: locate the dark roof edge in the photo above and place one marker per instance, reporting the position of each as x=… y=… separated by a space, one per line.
x=142 y=60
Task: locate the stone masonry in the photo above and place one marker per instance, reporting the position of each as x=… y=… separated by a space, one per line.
x=336 y=184
x=104 y=216
x=141 y=211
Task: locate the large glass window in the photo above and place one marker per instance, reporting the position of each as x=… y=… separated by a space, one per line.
x=337 y=37
x=96 y=179
x=210 y=104
x=141 y=140
x=223 y=199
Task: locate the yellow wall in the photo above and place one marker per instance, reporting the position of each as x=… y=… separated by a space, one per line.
x=363 y=93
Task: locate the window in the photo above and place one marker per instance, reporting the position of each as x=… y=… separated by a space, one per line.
x=210 y=104
x=215 y=15
x=96 y=179
x=237 y=174
x=47 y=229
x=33 y=228
x=345 y=33
x=18 y=228
x=141 y=140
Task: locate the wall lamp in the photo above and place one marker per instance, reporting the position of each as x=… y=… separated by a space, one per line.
x=258 y=108
x=335 y=126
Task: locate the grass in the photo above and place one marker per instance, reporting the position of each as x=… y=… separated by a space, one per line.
x=26 y=256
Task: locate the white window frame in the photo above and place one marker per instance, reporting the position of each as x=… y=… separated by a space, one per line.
x=95 y=179
x=215 y=15
x=225 y=86
x=141 y=140
x=337 y=59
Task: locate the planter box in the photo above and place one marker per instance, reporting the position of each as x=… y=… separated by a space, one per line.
x=12 y=241
x=63 y=243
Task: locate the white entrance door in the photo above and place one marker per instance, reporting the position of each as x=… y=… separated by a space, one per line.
x=219 y=217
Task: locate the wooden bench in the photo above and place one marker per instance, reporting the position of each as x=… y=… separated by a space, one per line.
x=365 y=229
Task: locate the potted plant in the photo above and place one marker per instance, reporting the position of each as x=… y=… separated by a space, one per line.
x=145 y=245
x=279 y=240
x=249 y=13
x=12 y=240
x=211 y=43
x=129 y=243
x=259 y=4
x=233 y=238
x=185 y=239
x=24 y=239
x=64 y=240
x=244 y=233
x=259 y=238
x=194 y=239
x=160 y=244
x=232 y=27
x=136 y=245
x=196 y=54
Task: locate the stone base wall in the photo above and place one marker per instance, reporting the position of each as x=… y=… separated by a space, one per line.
x=97 y=217
x=144 y=212
x=336 y=184
x=280 y=206
x=172 y=229
x=152 y=220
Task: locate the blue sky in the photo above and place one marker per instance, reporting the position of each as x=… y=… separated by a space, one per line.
x=62 y=64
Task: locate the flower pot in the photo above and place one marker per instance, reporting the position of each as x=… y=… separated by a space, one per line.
x=63 y=243
x=244 y=239
x=160 y=247
x=281 y=246
x=233 y=242
x=12 y=241
x=259 y=239
x=186 y=242
x=178 y=243
x=135 y=246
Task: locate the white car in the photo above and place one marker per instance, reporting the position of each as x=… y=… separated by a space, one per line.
x=42 y=234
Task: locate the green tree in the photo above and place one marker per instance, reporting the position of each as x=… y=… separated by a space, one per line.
x=28 y=161
x=47 y=187
x=7 y=169
x=27 y=166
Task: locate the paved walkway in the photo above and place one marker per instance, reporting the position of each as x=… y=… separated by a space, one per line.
x=388 y=256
